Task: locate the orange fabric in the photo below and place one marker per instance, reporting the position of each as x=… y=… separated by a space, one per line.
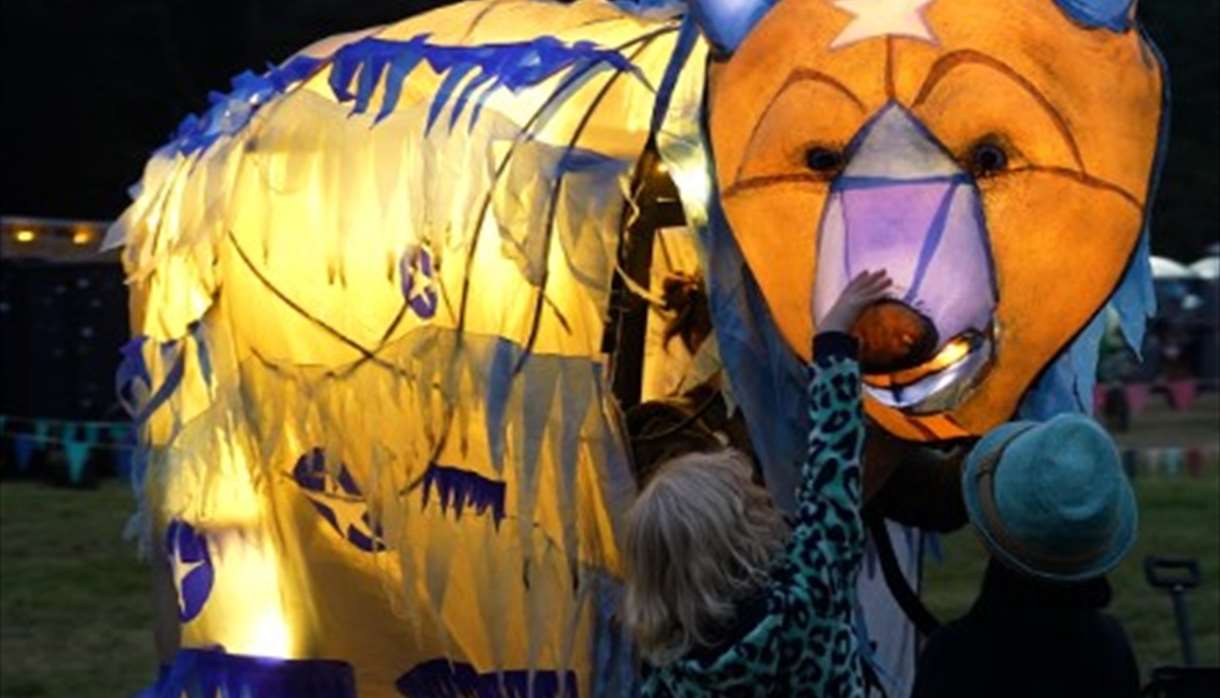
x=1078 y=110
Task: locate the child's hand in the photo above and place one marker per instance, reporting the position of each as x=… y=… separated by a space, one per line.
x=864 y=290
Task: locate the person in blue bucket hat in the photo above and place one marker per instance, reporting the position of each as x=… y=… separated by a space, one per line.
x=1054 y=509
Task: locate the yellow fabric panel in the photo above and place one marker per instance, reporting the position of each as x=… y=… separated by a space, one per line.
x=270 y=267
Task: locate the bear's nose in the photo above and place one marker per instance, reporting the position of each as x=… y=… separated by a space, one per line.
x=902 y=204
x=894 y=337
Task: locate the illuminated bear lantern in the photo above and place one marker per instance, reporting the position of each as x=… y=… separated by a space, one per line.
x=383 y=300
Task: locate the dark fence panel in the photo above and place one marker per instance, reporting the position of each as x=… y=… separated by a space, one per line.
x=61 y=326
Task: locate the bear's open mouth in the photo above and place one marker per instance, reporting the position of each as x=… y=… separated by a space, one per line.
x=940 y=383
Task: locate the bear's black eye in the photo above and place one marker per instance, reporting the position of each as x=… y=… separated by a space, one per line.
x=987 y=158
x=823 y=160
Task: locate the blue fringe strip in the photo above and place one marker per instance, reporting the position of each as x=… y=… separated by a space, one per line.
x=366 y=62
x=213 y=673
x=229 y=113
x=441 y=678
x=461 y=488
x=511 y=66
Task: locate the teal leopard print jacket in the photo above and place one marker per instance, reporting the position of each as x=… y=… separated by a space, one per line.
x=804 y=644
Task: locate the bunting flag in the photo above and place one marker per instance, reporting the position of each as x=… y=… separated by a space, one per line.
x=77 y=454
x=1182 y=393
x=1194 y=462
x=23 y=449
x=1137 y=397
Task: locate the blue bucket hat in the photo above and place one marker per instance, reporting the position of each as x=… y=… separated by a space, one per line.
x=1050 y=499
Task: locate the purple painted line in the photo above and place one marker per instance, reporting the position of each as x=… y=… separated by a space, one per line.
x=846 y=240
x=936 y=231
x=980 y=229
x=848 y=183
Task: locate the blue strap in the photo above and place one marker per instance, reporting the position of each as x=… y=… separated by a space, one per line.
x=687 y=35
x=216 y=674
x=168 y=386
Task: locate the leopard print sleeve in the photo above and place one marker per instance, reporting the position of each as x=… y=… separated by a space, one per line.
x=829 y=525
x=806 y=643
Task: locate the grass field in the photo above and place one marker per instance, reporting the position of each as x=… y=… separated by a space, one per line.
x=75 y=611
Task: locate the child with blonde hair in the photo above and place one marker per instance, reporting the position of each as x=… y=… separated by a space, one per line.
x=722 y=598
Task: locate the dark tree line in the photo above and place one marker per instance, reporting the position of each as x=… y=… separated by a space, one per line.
x=91 y=88
x=1186 y=214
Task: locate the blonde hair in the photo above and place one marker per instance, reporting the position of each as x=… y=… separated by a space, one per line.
x=701 y=536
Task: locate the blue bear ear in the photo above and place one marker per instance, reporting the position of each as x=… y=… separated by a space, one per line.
x=726 y=23
x=1115 y=15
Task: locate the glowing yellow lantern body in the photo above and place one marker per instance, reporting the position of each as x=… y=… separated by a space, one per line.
x=372 y=287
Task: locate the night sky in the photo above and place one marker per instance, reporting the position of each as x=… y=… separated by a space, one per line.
x=91 y=87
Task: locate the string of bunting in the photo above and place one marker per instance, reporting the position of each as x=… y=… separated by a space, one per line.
x=1169 y=461
x=1180 y=393
x=78 y=441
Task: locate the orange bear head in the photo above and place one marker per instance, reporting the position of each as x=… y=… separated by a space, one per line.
x=995 y=158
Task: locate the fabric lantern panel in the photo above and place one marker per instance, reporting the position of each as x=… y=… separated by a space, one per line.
x=370 y=288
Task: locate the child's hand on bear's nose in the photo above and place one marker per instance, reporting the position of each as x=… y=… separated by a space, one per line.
x=867 y=288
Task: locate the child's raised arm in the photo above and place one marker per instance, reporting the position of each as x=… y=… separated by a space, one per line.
x=828 y=497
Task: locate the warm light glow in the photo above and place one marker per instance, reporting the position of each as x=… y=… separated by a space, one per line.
x=269 y=636
x=245 y=612
x=662 y=168
x=953 y=352
x=25 y=235
x=256 y=618
x=82 y=237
